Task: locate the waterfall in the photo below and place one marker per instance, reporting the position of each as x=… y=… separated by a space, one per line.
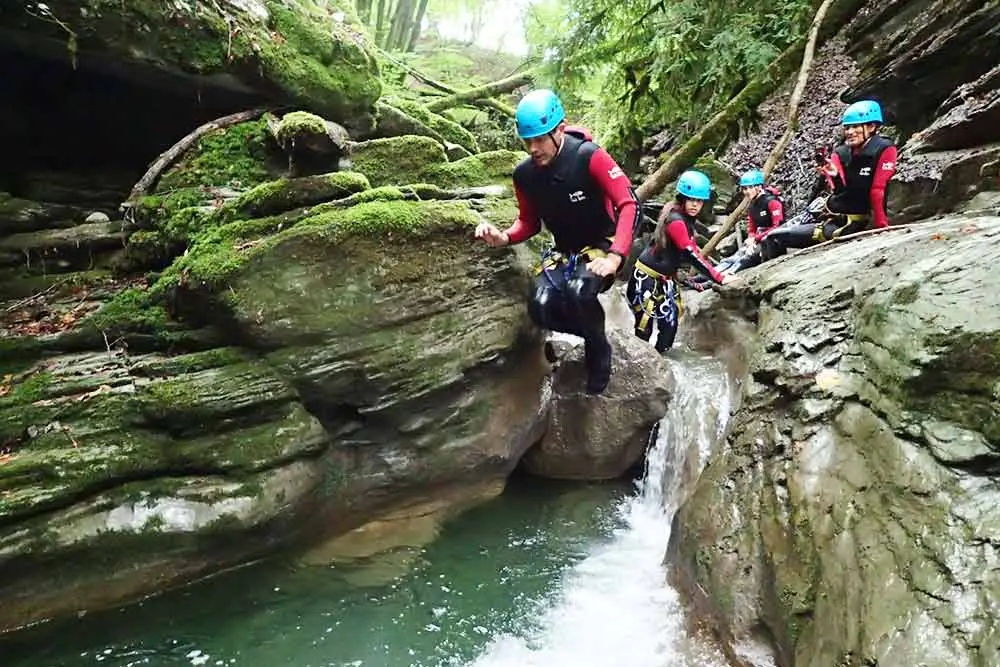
x=615 y=607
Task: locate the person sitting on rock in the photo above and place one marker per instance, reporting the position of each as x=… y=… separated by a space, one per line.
x=652 y=291
x=859 y=170
x=765 y=214
x=587 y=202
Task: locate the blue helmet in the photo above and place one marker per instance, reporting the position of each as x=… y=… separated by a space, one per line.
x=859 y=113
x=751 y=178
x=694 y=185
x=538 y=113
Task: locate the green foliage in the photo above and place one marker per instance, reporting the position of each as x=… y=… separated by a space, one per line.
x=632 y=68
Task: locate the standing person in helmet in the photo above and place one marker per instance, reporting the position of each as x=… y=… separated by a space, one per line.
x=652 y=290
x=587 y=203
x=859 y=170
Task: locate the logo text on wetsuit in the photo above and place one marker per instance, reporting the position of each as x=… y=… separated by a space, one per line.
x=865 y=171
x=615 y=173
x=577 y=196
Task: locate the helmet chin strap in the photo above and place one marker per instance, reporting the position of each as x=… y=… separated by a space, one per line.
x=559 y=145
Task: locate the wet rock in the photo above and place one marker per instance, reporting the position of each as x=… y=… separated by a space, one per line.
x=928 y=183
x=860 y=521
x=601 y=437
x=913 y=53
x=970 y=117
x=97 y=216
x=293 y=52
x=24 y=215
x=72 y=247
x=455 y=152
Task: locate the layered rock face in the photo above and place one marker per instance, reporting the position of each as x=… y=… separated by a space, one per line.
x=269 y=386
x=260 y=348
x=853 y=517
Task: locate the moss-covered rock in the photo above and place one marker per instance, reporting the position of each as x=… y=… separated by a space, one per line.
x=287 y=194
x=448 y=130
x=491 y=168
x=313 y=144
x=415 y=159
x=310 y=53
x=298 y=125
x=362 y=317
x=217 y=256
x=397 y=160
x=240 y=156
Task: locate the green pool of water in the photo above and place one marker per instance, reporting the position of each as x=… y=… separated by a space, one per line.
x=489 y=572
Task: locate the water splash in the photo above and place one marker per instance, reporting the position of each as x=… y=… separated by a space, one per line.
x=615 y=606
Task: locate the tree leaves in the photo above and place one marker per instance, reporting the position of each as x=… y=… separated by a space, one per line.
x=671 y=64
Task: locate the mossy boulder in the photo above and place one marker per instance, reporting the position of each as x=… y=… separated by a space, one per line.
x=397 y=160
x=490 y=168
x=291 y=193
x=416 y=159
x=351 y=324
x=309 y=53
x=240 y=156
x=859 y=474
x=298 y=125
x=313 y=144
x=445 y=129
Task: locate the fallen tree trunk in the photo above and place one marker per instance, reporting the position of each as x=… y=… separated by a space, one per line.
x=792 y=127
x=486 y=91
x=714 y=132
x=168 y=157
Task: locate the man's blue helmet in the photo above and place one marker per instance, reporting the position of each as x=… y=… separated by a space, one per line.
x=859 y=113
x=694 y=185
x=751 y=178
x=538 y=113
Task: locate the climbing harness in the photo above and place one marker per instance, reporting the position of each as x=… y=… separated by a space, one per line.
x=654 y=304
x=553 y=260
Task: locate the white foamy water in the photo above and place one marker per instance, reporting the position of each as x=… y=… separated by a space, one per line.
x=615 y=607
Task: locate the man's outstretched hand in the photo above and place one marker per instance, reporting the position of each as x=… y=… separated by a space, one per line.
x=605 y=266
x=491 y=235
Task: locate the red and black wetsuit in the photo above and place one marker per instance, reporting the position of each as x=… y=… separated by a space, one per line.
x=765 y=213
x=859 y=197
x=862 y=178
x=582 y=196
x=673 y=244
x=586 y=201
x=651 y=290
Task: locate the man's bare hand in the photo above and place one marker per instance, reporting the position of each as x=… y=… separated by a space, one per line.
x=605 y=266
x=491 y=235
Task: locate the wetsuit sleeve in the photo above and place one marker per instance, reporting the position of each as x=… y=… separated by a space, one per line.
x=527 y=224
x=618 y=192
x=777 y=212
x=883 y=172
x=677 y=232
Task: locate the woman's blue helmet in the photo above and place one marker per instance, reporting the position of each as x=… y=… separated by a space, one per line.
x=538 y=113
x=694 y=185
x=752 y=178
x=859 y=113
